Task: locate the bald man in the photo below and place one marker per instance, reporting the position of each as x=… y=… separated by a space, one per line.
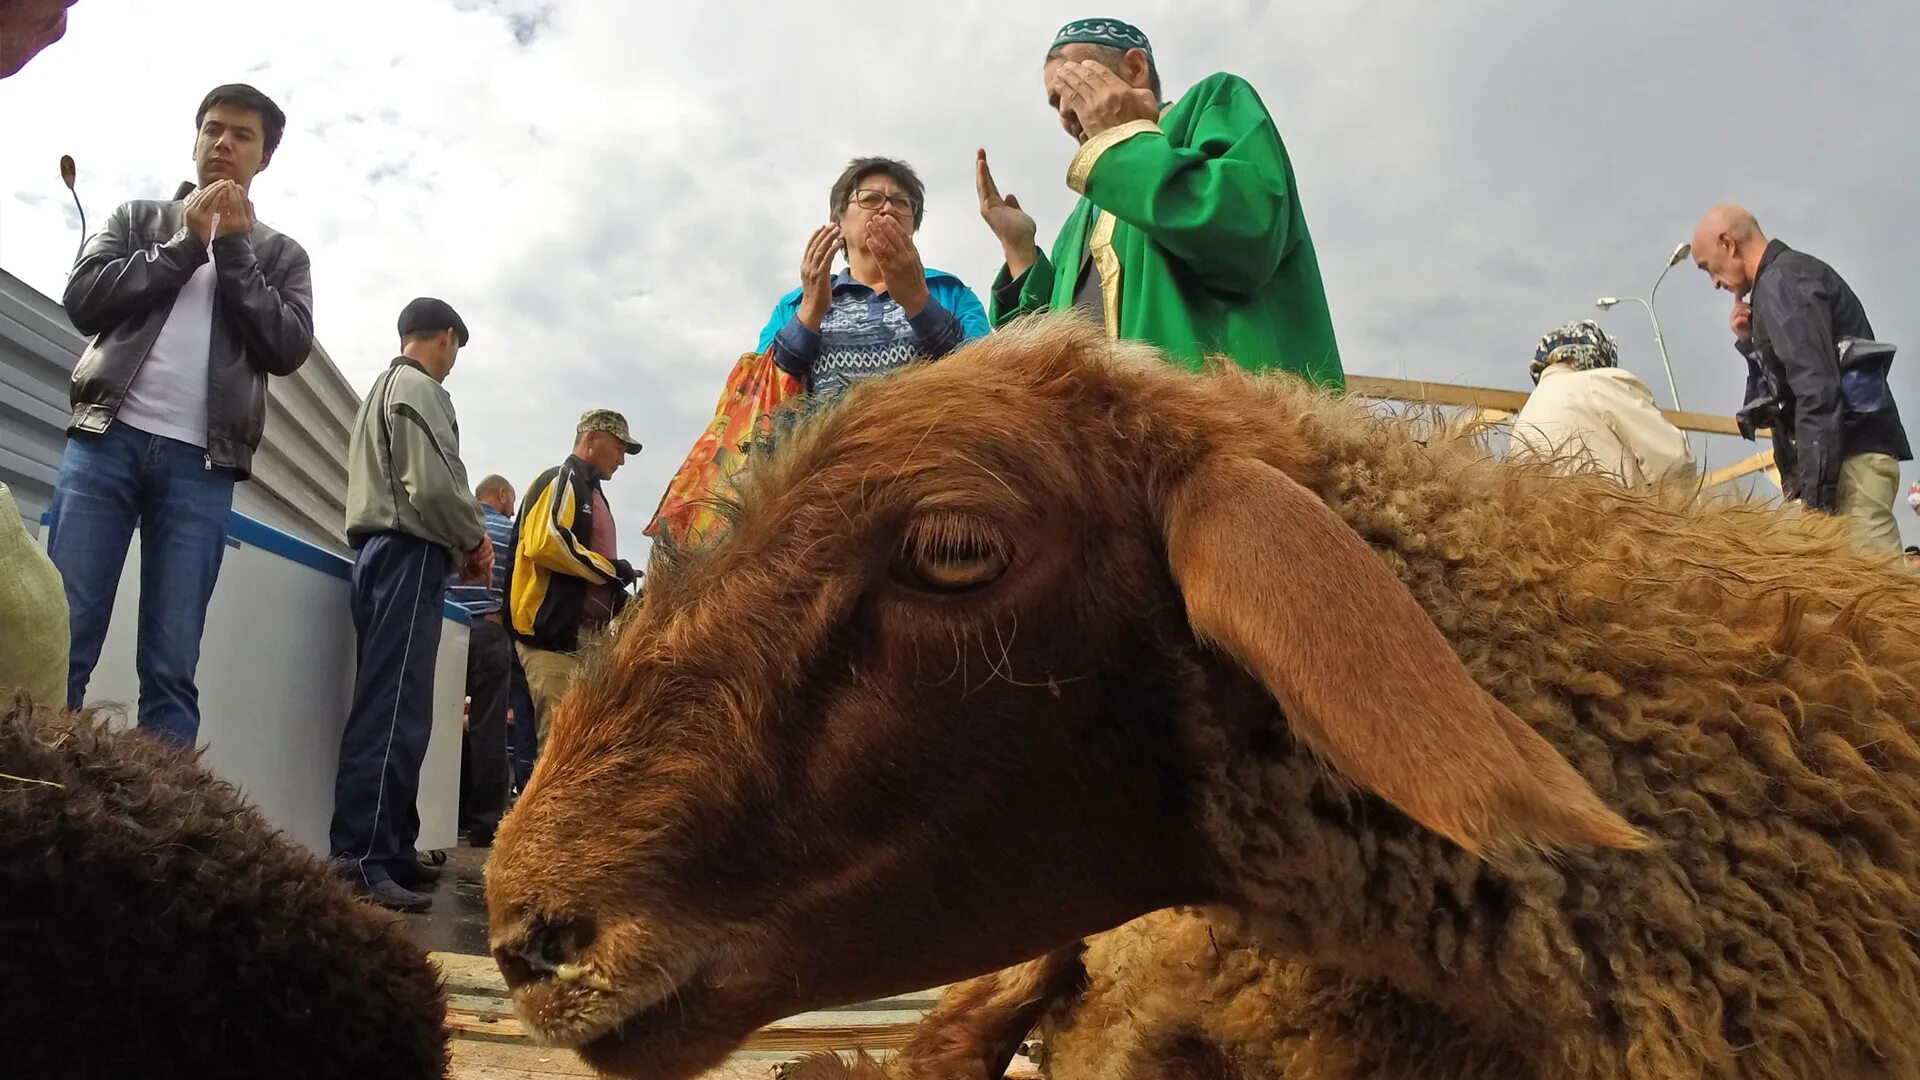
x=1837 y=437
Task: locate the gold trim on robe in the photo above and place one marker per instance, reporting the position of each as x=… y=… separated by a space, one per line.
x=1106 y=263
x=1082 y=165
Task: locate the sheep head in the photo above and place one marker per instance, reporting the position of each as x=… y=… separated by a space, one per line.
x=979 y=624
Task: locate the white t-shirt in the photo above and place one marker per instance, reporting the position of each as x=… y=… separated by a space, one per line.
x=168 y=395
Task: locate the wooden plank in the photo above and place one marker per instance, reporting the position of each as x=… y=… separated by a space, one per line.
x=507 y=1061
x=1755 y=463
x=1702 y=422
x=475 y=1060
x=495 y=1027
x=473 y=978
x=479 y=1004
x=1382 y=388
x=1474 y=420
x=486 y=1025
x=471 y=973
x=481 y=1008
x=887 y=1037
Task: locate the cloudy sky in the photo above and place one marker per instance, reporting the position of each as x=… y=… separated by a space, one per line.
x=614 y=193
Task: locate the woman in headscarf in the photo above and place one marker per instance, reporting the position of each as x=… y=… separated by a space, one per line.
x=886 y=309
x=1585 y=411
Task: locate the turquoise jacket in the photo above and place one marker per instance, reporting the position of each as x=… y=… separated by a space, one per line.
x=949 y=291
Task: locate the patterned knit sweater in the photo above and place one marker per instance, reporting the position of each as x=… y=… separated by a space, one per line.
x=865 y=334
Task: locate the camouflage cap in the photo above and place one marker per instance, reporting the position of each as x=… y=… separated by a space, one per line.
x=610 y=422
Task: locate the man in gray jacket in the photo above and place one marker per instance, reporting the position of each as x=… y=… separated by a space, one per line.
x=191 y=305
x=413 y=522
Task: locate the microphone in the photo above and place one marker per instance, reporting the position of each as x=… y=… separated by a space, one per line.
x=68 y=174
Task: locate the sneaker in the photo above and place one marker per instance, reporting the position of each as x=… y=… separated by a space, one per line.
x=389 y=895
x=413 y=874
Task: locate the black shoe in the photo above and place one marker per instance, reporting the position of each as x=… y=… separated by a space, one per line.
x=389 y=895
x=480 y=836
x=413 y=874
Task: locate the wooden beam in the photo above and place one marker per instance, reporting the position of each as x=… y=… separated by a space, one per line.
x=492 y=1027
x=1755 y=463
x=1382 y=388
x=1473 y=420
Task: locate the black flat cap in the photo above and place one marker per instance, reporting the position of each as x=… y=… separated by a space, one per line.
x=427 y=315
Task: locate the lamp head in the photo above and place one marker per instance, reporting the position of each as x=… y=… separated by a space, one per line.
x=1606 y=302
x=1679 y=253
x=67 y=171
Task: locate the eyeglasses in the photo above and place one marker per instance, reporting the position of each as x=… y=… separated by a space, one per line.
x=869 y=199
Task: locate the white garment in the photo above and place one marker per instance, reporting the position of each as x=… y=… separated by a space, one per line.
x=1606 y=416
x=168 y=395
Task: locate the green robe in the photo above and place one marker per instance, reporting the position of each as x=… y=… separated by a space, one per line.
x=1207 y=239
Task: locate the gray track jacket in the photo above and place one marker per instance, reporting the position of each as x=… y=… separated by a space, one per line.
x=403 y=464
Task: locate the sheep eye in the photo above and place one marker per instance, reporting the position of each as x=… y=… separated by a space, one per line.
x=951 y=553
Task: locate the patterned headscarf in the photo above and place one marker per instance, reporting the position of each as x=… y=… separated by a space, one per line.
x=1579 y=345
x=1112 y=33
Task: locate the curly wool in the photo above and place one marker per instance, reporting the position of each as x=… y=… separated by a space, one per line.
x=156 y=926
x=1730 y=677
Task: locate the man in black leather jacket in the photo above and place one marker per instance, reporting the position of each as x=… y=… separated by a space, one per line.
x=1838 y=439
x=191 y=305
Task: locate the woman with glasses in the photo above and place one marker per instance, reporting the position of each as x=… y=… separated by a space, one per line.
x=886 y=309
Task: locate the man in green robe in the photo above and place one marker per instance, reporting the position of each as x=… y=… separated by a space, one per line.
x=1188 y=233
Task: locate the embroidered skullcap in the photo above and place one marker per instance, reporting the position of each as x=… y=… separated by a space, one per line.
x=1113 y=33
x=1579 y=345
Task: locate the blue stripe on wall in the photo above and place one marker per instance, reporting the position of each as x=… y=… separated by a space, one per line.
x=245 y=530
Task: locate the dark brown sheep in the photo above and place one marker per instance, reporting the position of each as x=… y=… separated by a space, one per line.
x=155 y=926
x=1053 y=614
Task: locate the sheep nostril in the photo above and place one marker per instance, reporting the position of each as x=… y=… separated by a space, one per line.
x=516 y=971
x=546 y=946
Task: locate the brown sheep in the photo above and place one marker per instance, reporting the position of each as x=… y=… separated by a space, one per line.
x=1169 y=996
x=1051 y=611
x=155 y=926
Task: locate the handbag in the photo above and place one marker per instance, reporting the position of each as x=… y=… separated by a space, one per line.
x=754 y=390
x=1864 y=366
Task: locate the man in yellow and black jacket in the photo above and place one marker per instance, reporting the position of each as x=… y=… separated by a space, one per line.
x=568 y=576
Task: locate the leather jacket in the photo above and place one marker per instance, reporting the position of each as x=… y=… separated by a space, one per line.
x=121 y=292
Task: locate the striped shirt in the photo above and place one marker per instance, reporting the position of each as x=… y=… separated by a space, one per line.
x=481 y=600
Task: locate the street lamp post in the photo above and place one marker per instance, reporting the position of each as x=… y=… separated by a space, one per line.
x=1659 y=341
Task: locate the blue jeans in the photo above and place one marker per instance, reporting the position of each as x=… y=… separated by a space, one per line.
x=108 y=484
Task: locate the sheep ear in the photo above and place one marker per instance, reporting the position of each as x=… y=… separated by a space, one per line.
x=1272 y=575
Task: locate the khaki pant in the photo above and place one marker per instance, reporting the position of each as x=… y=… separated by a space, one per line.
x=1868 y=485
x=548 y=675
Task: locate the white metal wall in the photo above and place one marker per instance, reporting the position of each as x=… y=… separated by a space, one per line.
x=276 y=677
